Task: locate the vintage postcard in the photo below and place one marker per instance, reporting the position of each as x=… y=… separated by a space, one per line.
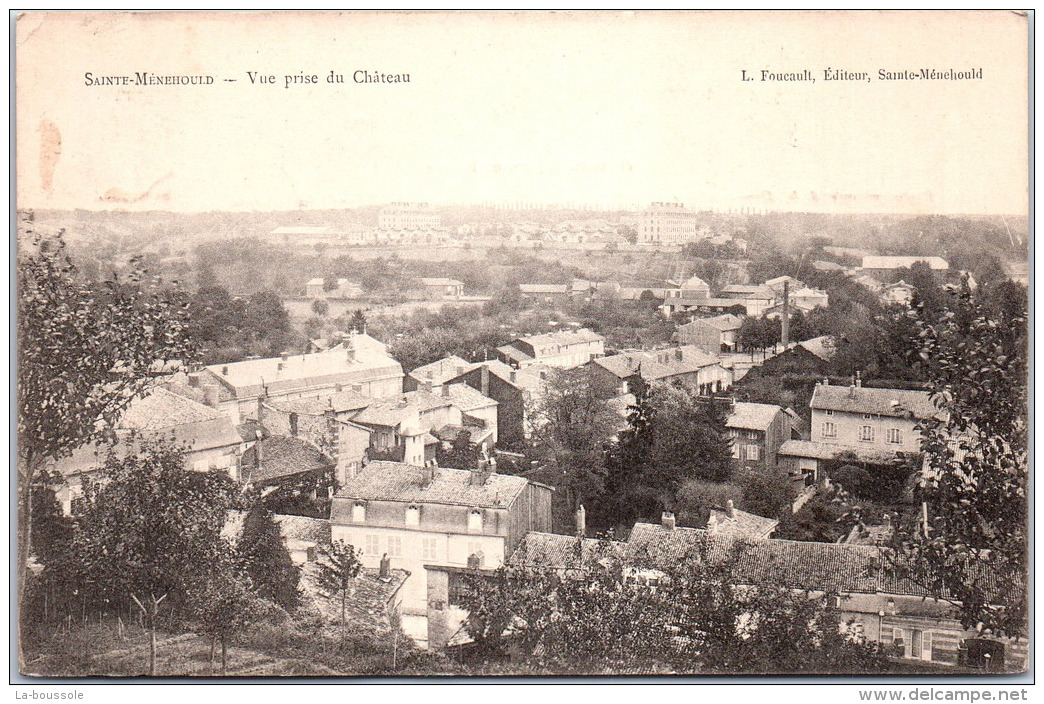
x=388 y=344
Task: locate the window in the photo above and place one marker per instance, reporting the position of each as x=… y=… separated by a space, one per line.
x=359 y=512
x=895 y=436
x=829 y=412
x=413 y=515
x=753 y=453
x=829 y=430
x=430 y=549
x=373 y=545
x=867 y=416
x=752 y=435
x=475 y=520
x=394 y=546
x=735 y=449
x=866 y=433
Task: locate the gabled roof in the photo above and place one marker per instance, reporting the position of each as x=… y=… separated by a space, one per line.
x=748 y=291
x=724 y=323
x=440 y=371
x=563 y=552
x=282 y=456
x=895 y=403
x=822 y=347
x=527 y=378
x=829 y=451
x=395 y=481
x=341 y=402
x=740 y=524
x=657 y=364
x=160 y=409
x=752 y=416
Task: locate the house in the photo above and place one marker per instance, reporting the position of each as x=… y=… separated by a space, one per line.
x=880 y=605
x=687 y=363
x=278 y=460
x=780 y=282
x=756 y=298
x=875 y=425
x=208 y=440
x=359 y=363
x=514 y=390
x=325 y=423
x=433 y=376
x=712 y=306
x=734 y=523
x=395 y=421
x=437 y=288
x=420 y=516
x=876 y=604
x=548 y=293
x=693 y=288
x=899 y=293
x=565 y=350
x=875 y=265
x=667 y=223
x=758 y=430
x=808 y=299
x=822 y=265
x=712 y=335
x=408 y=216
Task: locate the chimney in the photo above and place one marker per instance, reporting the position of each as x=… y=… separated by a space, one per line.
x=445 y=390
x=480 y=474
x=284 y=356
x=485 y=380
x=667 y=520
x=425 y=386
x=385 y=567
x=826 y=381
x=224 y=371
x=581 y=521
x=514 y=376
x=712 y=522
x=730 y=508
x=859 y=380
x=428 y=474
x=786 y=314
x=678 y=354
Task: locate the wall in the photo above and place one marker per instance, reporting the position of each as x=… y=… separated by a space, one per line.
x=848 y=427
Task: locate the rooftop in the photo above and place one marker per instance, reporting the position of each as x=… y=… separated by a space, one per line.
x=657 y=364
x=822 y=347
x=395 y=481
x=282 y=457
x=740 y=524
x=556 y=551
x=725 y=322
x=876 y=262
x=752 y=416
x=829 y=451
x=441 y=282
x=895 y=403
x=440 y=371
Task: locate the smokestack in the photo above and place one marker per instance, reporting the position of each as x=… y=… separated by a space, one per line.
x=730 y=508
x=385 y=566
x=786 y=314
x=581 y=521
x=859 y=380
x=667 y=520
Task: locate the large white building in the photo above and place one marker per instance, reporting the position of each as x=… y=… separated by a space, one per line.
x=419 y=516
x=408 y=216
x=667 y=223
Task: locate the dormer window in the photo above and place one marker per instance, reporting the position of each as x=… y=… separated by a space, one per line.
x=475 y=520
x=359 y=512
x=413 y=515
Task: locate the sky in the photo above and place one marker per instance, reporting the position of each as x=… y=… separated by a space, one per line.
x=600 y=109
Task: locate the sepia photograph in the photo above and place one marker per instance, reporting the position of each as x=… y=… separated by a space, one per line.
x=518 y=345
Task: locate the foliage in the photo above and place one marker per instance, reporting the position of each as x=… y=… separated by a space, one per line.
x=462 y=453
x=336 y=570
x=974 y=483
x=672 y=436
x=266 y=560
x=695 y=615
x=230 y=328
x=320 y=307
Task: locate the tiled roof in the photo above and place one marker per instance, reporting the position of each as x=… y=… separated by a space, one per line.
x=395 y=481
x=827 y=451
x=440 y=371
x=829 y=567
x=526 y=378
x=303 y=528
x=392 y=411
x=555 y=551
x=466 y=398
x=282 y=457
x=752 y=416
x=368 y=357
x=896 y=403
x=656 y=365
x=822 y=347
x=564 y=337
x=340 y=402
x=827 y=266
x=725 y=322
x=161 y=409
x=749 y=291
x=935 y=263
x=741 y=524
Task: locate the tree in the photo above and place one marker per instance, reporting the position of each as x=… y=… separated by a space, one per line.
x=336 y=570
x=574 y=423
x=357 y=323
x=266 y=560
x=222 y=602
x=462 y=453
x=149 y=530
x=320 y=307
x=970 y=544
x=84 y=351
